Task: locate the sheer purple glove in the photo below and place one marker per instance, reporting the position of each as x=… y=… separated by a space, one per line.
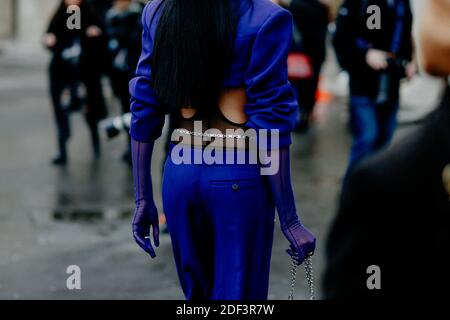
x=145 y=214
x=302 y=242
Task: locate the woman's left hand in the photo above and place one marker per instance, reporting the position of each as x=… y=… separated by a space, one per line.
x=146 y=218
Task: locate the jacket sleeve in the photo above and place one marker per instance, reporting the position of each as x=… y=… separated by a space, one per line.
x=350 y=49
x=147 y=114
x=271 y=101
x=309 y=12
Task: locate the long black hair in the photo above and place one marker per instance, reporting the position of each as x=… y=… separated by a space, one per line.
x=193 y=45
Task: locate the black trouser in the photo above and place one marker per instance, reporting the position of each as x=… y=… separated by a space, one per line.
x=306 y=91
x=62 y=77
x=119 y=82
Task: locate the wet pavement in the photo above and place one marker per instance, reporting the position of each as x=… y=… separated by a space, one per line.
x=51 y=218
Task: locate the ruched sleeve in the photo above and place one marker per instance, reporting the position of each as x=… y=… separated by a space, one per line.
x=271 y=101
x=147 y=114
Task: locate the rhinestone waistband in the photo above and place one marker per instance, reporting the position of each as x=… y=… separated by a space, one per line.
x=211 y=135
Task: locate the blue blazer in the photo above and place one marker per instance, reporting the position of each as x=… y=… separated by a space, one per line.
x=259 y=64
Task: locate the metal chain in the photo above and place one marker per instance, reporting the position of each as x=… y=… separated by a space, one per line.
x=294 y=266
x=212 y=135
x=309 y=277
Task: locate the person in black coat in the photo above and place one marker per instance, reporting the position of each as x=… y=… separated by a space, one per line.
x=376 y=57
x=100 y=7
x=395 y=214
x=311 y=18
x=124 y=29
x=75 y=60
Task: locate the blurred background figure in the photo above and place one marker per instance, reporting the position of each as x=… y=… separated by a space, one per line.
x=376 y=58
x=124 y=29
x=311 y=18
x=395 y=213
x=100 y=8
x=75 y=61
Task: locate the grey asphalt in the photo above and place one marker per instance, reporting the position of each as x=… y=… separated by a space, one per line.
x=51 y=218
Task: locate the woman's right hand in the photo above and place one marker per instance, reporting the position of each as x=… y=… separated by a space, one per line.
x=146 y=218
x=302 y=241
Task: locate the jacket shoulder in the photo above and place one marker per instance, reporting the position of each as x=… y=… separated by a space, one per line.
x=256 y=13
x=265 y=9
x=150 y=10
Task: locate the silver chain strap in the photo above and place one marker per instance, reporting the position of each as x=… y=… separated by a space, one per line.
x=309 y=277
x=294 y=266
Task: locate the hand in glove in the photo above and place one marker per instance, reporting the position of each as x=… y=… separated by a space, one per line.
x=145 y=214
x=302 y=241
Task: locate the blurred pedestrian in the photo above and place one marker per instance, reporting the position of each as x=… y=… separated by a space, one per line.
x=99 y=8
x=376 y=56
x=124 y=29
x=311 y=18
x=75 y=60
x=391 y=237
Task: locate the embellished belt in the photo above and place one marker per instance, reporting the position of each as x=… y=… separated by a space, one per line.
x=211 y=135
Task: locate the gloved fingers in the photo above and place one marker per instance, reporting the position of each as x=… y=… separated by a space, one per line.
x=297 y=249
x=299 y=257
x=143 y=240
x=307 y=249
x=310 y=249
x=291 y=254
x=155 y=227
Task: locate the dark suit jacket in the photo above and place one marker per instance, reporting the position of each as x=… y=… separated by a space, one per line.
x=353 y=38
x=311 y=18
x=395 y=213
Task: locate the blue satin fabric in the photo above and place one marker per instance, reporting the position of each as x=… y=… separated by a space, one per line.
x=221 y=222
x=259 y=65
x=221 y=217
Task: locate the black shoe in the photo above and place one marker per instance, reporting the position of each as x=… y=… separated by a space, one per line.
x=59 y=161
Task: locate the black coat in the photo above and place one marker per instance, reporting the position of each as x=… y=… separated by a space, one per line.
x=311 y=18
x=351 y=25
x=395 y=213
x=86 y=65
x=93 y=50
x=100 y=7
x=124 y=30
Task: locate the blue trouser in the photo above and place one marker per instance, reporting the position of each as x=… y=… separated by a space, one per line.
x=221 y=222
x=372 y=127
